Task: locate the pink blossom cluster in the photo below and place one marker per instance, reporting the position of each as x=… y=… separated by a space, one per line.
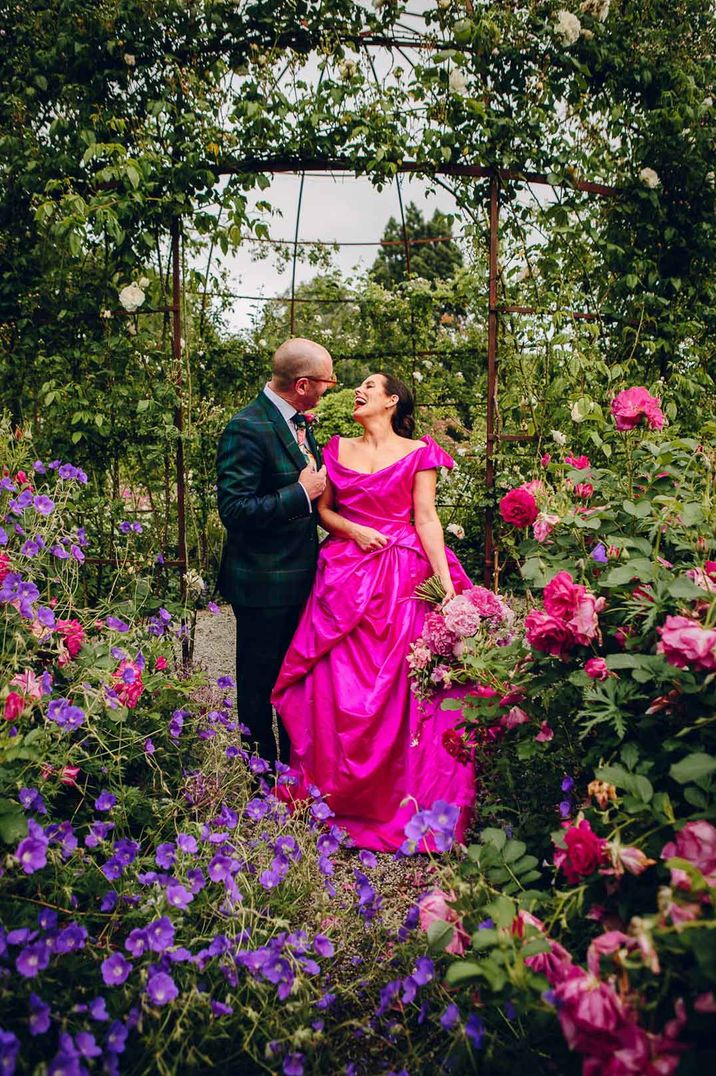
x=595 y=1020
x=128 y=683
x=73 y=636
x=489 y=605
x=632 y=405
x=696 y=843
x=569 y=617
x=687 y=644
x=437 y=635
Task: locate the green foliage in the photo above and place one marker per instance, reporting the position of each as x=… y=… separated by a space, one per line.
x=429 y=260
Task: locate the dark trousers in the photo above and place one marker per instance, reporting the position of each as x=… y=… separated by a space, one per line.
x=262 y=639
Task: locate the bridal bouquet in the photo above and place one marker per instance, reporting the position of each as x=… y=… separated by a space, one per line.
x=475 y=618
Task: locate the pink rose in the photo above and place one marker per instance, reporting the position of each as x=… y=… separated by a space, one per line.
x=544 y=525
x=572 y=603
x=69 y=775
x=605 y=945
x=546 y=459
x=73 y=634
x=696 y=842
x=545 y=733
x=705 y=1003
x=633 y=860
x=596 y=669
x=434 y=907
x=4 y=565
x=160 y=664
x=29 y=684
x=127 y=682
x=591 y=1015
x=548 y=634
x=686 y=644
x=583 y=490
x=519 y=508
x=580 y=463
x=513 y=718
x=14 y=706
x=584 y=851
x=632 y=405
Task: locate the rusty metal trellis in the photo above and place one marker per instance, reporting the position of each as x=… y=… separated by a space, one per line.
x=496 y=178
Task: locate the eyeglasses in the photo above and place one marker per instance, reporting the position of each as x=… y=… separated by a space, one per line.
x=324 y=380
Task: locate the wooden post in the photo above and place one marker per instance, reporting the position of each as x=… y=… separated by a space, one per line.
x=492 y=314
x=179 y=417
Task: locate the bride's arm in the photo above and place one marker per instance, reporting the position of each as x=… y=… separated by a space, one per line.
x=366 y=537
x=429 y=527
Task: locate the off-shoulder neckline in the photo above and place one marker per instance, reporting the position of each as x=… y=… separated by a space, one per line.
x=369 y=474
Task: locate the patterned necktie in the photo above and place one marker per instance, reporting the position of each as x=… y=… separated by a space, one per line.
x=301 y=425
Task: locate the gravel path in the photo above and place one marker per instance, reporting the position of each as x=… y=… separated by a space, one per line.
x=215 y=641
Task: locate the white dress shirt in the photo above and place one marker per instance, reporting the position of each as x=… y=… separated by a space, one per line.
x=288 y=411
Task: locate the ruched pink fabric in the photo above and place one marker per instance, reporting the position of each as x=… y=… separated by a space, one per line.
x=357 y=731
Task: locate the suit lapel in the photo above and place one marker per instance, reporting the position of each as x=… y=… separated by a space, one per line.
x=282 y=431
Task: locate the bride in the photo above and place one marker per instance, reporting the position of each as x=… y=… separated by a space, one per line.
x=343 y=692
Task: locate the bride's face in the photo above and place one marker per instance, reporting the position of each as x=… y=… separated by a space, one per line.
x=371 y=399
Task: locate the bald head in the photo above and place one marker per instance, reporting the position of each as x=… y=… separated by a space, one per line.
x=299 y=358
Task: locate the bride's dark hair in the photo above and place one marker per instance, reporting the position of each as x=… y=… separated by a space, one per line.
x=403 y=422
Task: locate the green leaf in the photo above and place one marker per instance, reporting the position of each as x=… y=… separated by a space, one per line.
x=502 y=911
x=513 y=850
x=462 y=971
x=693 y=768
x=683 y=587
x=13 y=824
x=496 y=837
x=440 y=934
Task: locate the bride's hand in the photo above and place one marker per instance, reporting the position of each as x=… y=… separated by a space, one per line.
x=368 y=539
x=449 y=591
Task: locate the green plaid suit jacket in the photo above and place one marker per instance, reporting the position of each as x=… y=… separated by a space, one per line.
x=269 y=556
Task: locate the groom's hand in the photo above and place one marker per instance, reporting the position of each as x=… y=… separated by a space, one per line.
x=368 y=539
x=314 y=482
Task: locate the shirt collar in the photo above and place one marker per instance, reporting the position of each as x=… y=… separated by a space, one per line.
x=286 y=409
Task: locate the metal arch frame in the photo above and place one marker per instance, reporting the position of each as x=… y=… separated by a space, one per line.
x=496 y=178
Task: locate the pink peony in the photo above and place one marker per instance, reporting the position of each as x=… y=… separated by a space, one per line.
x=686 y=644
x=419 y=656
x=519 y=508
x=437 y=635
x=584 y=851
x=544 y=525
x=696 y=842
x=580 y=463
x=434 y=908
x=14 y=706
x=632 y=405
x=461 y=616
x=596 y=669
x=489 y=605
x=548 y=634
x=73 y=634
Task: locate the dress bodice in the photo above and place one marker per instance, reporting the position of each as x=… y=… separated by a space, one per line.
x=386 y=496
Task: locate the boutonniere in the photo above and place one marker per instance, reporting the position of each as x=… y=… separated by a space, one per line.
x=311 y=418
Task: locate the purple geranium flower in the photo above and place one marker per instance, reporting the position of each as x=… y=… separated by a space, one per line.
x=161 y=988
x=39 y=1020
x=44 y=505
x=293 y=1064
x=450 y=1018
x=31 y=852
x=116 y=1040
x=98 y=1009
x=160 y=934
x=323 y=945
x=9 y=1049
x=165 y=855
x=115 y=969
x=115 y=624
x=105 y=801
x=72 y=938
x=475 y=1030
x=178 y=896
x=599 y=554
x=31 y=800
x=33 y=959
x=187 y=843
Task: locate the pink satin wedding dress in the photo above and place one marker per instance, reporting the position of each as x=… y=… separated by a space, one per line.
x=357 y=731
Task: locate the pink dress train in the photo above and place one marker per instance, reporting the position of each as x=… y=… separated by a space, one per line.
x=357 y=731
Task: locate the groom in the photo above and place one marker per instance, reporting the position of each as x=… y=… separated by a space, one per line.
x=270 y=476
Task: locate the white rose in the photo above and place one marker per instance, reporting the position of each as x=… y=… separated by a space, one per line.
x=143 y=282
x=707 y=102
x=558 y=438
x=649 y=178
x=456 y=81
x=598 y=8
x=417 y=376
x=567 y=27
x=131 y=297
x=129 y=59
x=456 y=529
